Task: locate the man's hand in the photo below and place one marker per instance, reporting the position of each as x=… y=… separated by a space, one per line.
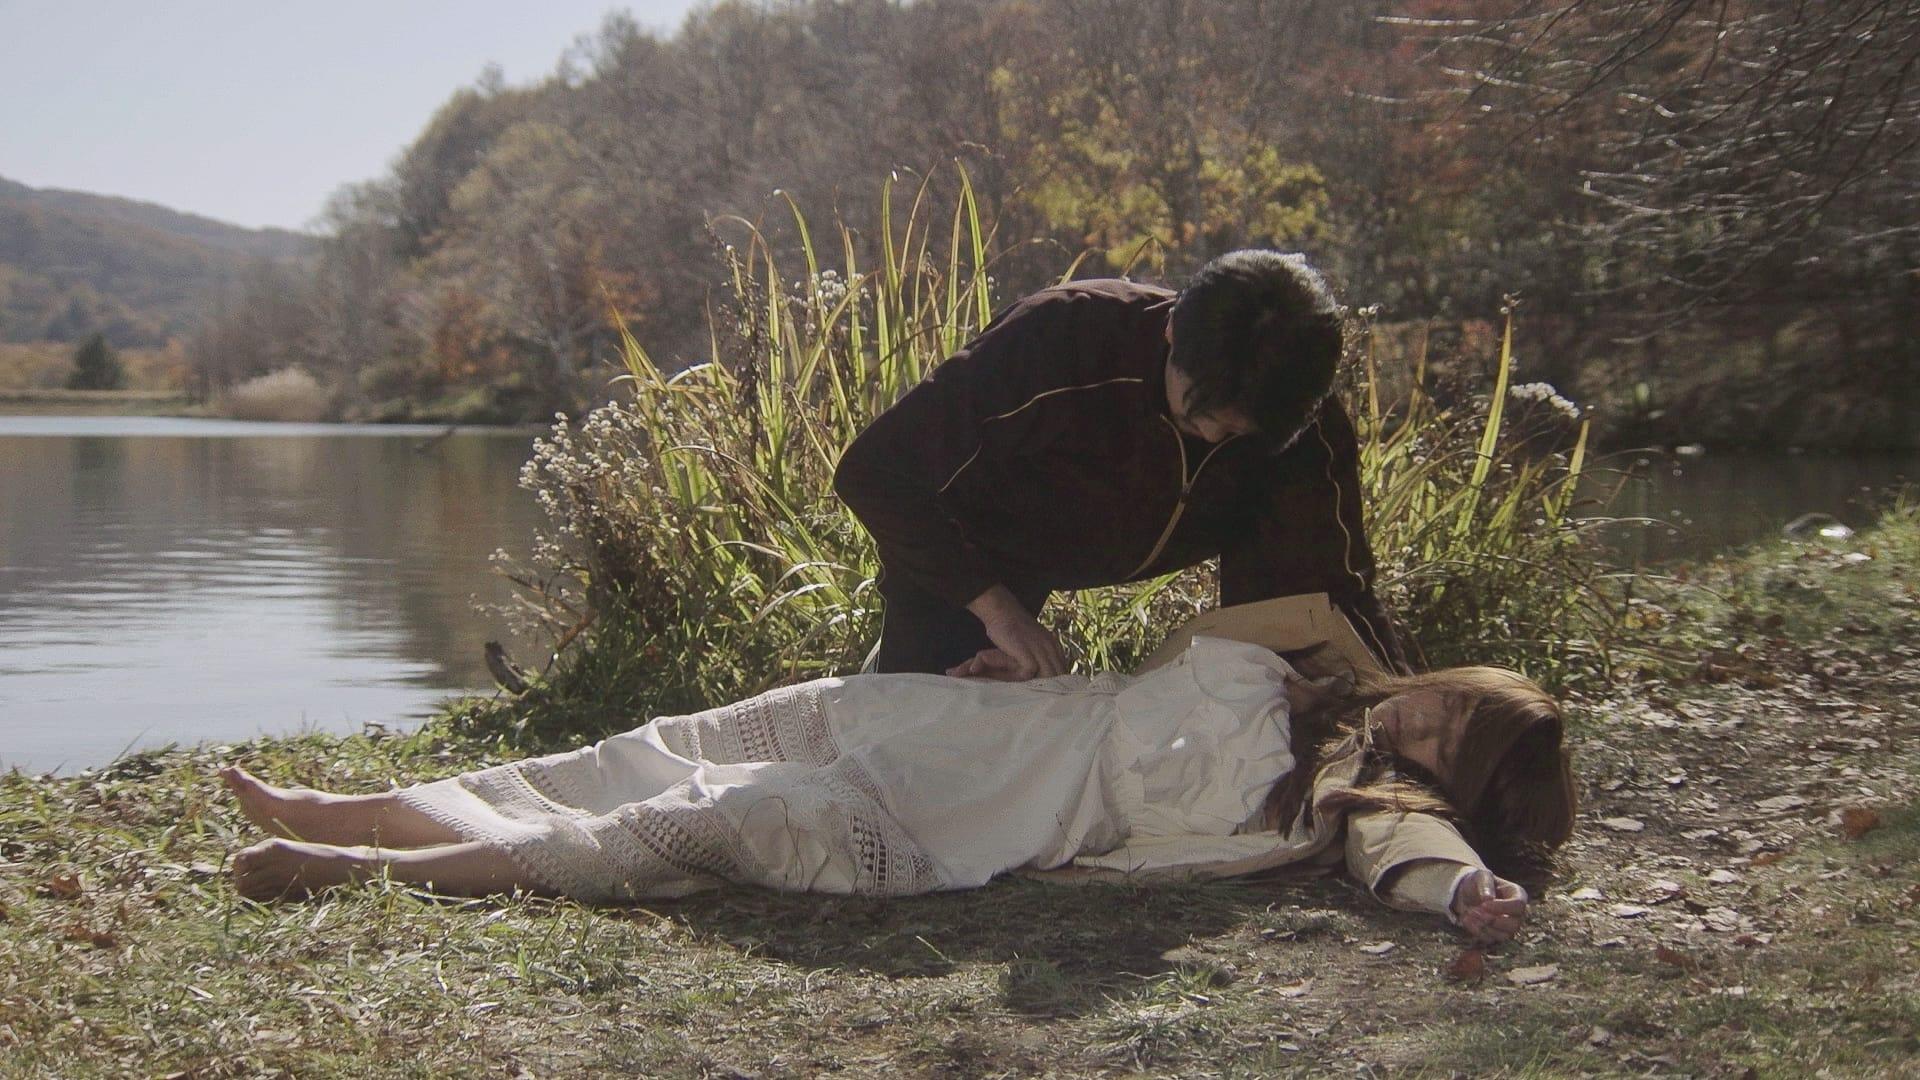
x=1489 y=908
x=1027 y=649
x=992 y=664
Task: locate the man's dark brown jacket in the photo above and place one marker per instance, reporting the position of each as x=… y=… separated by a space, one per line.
x=1043 y=456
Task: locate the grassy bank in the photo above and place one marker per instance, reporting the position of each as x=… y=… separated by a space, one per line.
x=1741 y=900
x=96 y=403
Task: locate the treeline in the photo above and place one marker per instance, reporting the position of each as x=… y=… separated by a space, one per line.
x=1394 y=142
x=74 y=264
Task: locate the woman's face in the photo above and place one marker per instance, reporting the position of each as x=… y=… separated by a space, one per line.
x=1421 y=723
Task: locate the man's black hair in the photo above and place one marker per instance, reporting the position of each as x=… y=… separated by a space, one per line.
x=1258 y=331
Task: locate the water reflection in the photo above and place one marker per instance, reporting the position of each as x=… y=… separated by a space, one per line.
x=1721 y=501
x=187 y=582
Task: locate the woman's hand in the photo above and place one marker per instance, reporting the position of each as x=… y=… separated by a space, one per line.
x=1489 y=908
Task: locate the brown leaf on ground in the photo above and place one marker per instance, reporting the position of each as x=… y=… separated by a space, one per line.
x=1295 y=990
x=1471 y=964
x=99 y=939
x=63 y=887
x=1675 y=958
x=1768 y=858
x=1623 y=824
x=1858 y=821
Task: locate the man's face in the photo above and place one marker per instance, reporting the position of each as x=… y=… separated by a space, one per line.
x=1216 y=426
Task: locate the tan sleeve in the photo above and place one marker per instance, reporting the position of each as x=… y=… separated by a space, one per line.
x=1418 y=857
x=1427 y=885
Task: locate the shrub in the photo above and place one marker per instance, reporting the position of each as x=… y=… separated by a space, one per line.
x=694 y=530
x=290 y=394
x=96 y=366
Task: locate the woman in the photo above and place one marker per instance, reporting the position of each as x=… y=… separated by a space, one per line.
x=898 y=784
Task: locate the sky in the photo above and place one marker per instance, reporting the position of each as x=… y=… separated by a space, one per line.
x=255 y=111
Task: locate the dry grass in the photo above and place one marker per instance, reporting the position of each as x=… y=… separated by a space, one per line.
x=45 y=365
x=288 y=395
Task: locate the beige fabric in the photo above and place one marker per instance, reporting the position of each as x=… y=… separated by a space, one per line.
x=1428 y=886
x=1397 y=849
x=1284 y=624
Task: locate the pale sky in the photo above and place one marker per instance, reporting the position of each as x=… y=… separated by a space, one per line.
x=254 y=111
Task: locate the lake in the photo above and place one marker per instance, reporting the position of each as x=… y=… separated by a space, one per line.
x=167 y=580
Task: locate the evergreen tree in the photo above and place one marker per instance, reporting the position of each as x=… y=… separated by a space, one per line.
x=96 y=367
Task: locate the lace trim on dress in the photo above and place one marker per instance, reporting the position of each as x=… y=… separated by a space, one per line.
x=890 y=862
x=788 y=724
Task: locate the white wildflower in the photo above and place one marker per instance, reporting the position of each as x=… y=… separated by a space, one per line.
x=1545 y=394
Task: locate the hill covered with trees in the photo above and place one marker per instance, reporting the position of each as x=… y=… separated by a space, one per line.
x=74 y=264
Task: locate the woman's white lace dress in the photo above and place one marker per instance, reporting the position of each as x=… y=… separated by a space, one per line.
x=890 y=784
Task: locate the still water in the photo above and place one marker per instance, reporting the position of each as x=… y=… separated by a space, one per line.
x=167 y=580
x=185 y=580
x=1689 y=508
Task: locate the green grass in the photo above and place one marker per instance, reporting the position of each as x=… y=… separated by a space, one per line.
x=146 y=963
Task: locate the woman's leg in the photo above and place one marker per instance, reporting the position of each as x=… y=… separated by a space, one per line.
x=279 y=868
x=326 y=818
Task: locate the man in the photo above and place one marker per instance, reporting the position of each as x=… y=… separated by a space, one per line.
x=1104 y=431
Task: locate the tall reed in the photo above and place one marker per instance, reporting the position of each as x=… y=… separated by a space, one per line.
x=694 y=525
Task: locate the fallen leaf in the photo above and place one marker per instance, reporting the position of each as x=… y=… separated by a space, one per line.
x=1723 y=876
x=1669 y=890
x=1599 y=1036
x=1623 y=824
x=1586 y=893
x=1294 y=990
x=99 y=939
x=63 y=887
x=1675 y=958
x=1379 y=948
x=1781 y=803
x=1768 y=858
x=1470 y=964
x=1532 y=976
x=1858 y=821
x=1628 y=911
x=1611 y=943
x=1752 y=941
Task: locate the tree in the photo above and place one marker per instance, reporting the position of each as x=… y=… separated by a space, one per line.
x=1743 y=147
x=96 y=367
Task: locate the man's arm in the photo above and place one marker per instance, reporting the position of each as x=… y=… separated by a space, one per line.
x=1312 y=537
x=894 y=472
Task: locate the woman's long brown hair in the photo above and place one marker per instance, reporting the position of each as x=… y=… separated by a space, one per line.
x=1527 y=809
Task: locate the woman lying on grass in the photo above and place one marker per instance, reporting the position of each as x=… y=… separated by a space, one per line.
x=1228 y=762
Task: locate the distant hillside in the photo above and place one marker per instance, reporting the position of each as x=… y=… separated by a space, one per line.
x=73 y=263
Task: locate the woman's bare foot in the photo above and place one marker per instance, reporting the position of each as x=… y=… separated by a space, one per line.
x=298 y=813
x=280 y=868
x=324 y=817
